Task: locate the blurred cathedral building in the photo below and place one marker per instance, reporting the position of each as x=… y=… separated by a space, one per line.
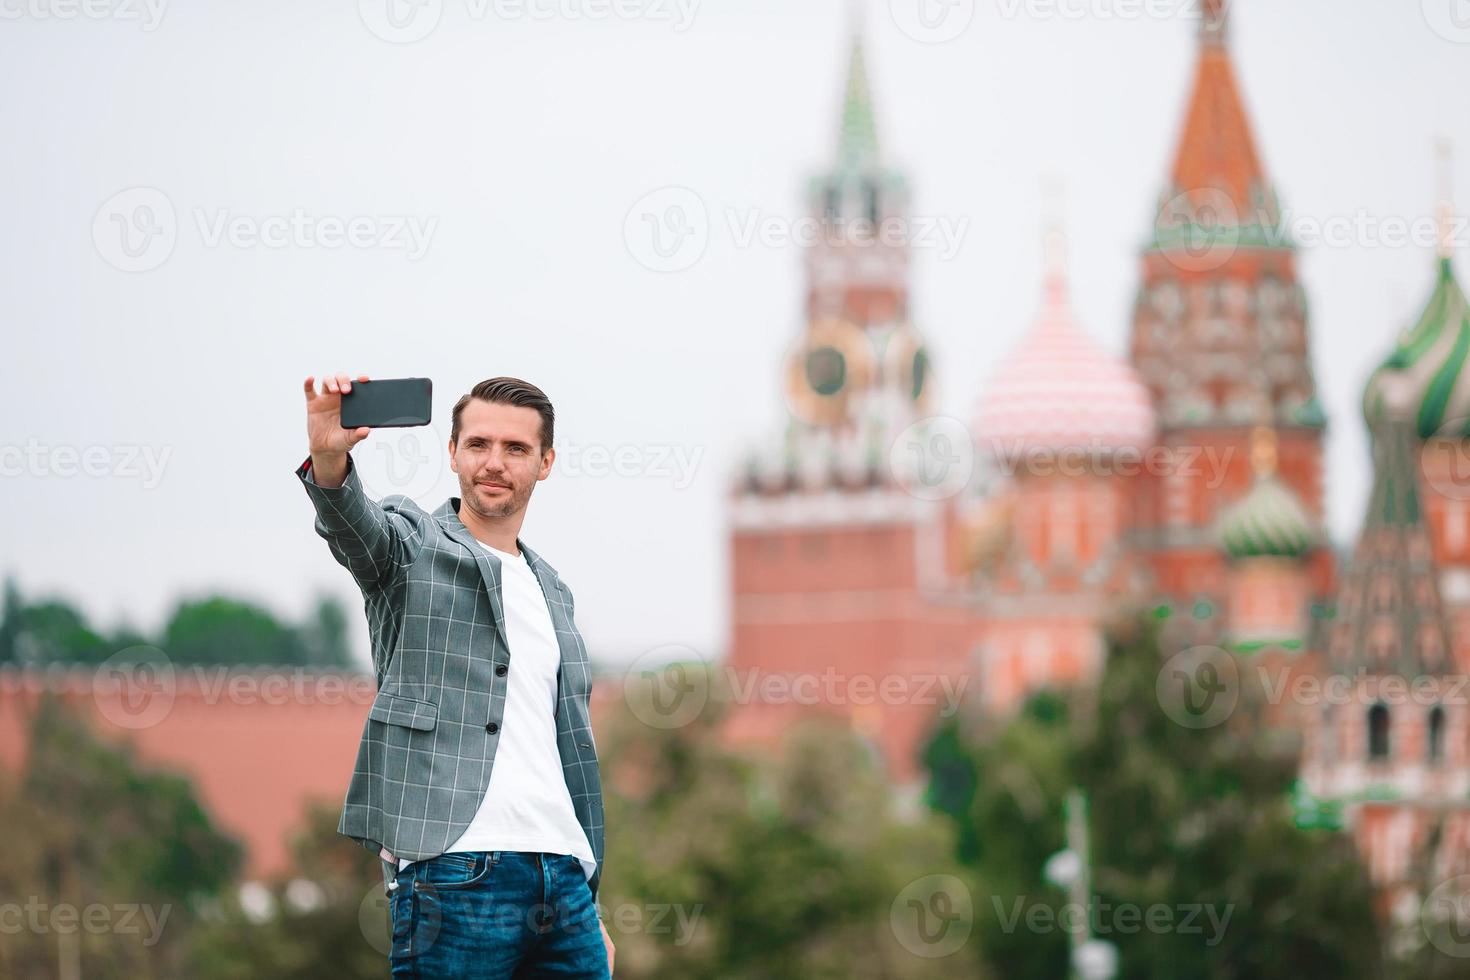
x=870 y=562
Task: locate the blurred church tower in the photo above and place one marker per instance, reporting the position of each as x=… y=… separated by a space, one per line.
x=836 y=566
x=1391 y=761
x=1220 y=337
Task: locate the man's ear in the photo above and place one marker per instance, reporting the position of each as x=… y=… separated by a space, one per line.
x=547 y=459
x=452 y=466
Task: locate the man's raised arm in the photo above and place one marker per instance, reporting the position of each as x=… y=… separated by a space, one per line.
x=372 y=541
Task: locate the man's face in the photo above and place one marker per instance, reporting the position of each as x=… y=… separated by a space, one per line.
x=498 y=457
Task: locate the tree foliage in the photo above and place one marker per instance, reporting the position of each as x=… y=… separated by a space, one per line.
x=108 y=861
x=214 y=630
x=1182 y=819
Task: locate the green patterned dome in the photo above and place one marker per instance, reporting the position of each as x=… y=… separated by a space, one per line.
x=1425 y=379
x=1268 y=521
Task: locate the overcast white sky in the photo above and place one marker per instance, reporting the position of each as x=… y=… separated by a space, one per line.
x=516 y=146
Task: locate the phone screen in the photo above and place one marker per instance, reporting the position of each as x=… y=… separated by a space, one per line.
x=388 y=403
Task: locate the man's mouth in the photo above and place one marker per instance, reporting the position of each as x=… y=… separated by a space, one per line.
x=492 y=487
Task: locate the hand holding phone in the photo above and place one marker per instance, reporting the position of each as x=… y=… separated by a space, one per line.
x=324 y=430
x=337 y=420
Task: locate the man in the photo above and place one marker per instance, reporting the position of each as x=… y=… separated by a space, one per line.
x=476 y=779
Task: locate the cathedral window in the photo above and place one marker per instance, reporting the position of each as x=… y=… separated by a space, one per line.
x=1378 y=745
x=1436 y=733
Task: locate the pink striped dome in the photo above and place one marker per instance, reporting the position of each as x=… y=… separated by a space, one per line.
x=1060 y=390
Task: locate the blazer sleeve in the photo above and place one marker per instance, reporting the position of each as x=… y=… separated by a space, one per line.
x=374 y=541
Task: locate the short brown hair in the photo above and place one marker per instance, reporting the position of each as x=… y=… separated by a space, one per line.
x=509 y=391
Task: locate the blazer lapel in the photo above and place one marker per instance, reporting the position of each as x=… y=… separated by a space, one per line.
x=489 y=564
x=557 y=605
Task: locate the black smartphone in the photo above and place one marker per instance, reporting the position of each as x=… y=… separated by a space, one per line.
x=388 y=403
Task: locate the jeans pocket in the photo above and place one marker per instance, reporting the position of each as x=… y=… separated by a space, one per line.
x=417 y=918
x=450 y=871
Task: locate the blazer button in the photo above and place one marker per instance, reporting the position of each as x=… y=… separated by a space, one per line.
x=500 y=669
x=492 y=728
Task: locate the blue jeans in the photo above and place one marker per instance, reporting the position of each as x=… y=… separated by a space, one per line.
x=496 y=915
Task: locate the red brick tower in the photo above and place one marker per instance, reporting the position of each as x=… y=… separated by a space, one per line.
x=1220 y=337
x=841 y=599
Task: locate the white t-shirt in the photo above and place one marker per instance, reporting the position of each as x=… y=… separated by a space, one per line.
x=527 y=806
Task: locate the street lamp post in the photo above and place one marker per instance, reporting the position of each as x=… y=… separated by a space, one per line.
x=1071 y=869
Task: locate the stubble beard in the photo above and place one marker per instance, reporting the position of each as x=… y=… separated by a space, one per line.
x=472 y=495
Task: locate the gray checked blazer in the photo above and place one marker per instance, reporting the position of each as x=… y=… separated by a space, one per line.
x=432 y=597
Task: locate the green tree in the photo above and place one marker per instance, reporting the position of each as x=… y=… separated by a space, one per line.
x=324 y=635
x=1182 y=819
x=95 y=839
x=726 y=865
x=329 y=918
x=215 y=630
x=218 y=630
x=52 y=631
